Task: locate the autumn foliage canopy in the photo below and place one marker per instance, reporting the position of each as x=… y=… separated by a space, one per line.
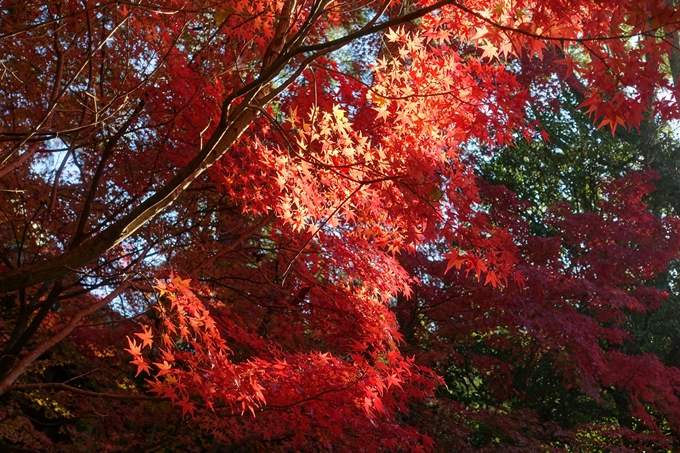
x=263 y=226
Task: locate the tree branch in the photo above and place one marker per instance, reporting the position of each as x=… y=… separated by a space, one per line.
x=76 y=390
x=65 y=332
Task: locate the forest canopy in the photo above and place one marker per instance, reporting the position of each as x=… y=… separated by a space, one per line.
x=332 y=225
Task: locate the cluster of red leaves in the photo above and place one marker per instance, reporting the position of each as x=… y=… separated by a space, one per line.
x=317 y=398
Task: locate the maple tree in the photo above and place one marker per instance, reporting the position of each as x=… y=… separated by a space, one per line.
x=555 y=361
x=224 y=194
x=508 y=387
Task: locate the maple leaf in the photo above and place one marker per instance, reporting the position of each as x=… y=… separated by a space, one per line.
x=188 y=407
x=456 y=259
x=490 y=51
x=163 y=368
x=498 y=9
x=134 y=349
x=142 y=365
x=223 y=14
x=146 y=337
x=179 y=283
x=492 y=277
x=393 y=379
x=481 y=32
x=383 y=113
x=392 y=35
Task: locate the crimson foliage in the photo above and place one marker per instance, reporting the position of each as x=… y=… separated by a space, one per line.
x=224 y=207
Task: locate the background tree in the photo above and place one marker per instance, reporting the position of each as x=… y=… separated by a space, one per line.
x=508 y=387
